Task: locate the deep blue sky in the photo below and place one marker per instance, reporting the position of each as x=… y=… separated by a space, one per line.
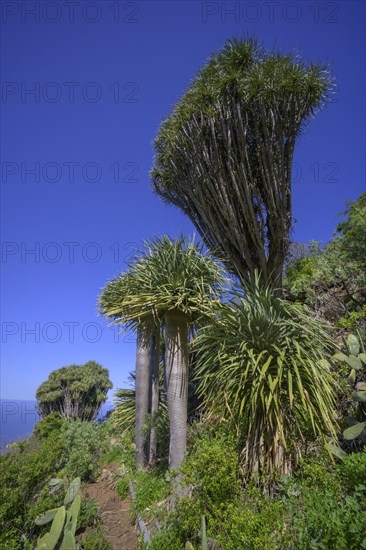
x=152 y=52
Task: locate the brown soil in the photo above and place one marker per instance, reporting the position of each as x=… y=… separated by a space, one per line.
x=114 y=513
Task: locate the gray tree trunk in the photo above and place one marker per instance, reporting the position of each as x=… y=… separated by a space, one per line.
x=154 y=389
x=176 y=360
x=142 y=396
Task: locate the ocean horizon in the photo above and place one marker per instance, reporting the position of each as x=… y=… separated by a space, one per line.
x=18 y=417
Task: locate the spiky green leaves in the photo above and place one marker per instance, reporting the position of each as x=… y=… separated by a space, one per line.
x=261 y=363
x=166 y=275
x=244 y=70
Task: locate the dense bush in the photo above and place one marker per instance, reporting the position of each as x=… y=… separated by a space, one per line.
x=96 y=540
x=49 y=425
x=88 y=513
x=331 y=279
x=352 y=471
x=149 y=488
x=167 y=539
x=24 y=471
x=56 y=448
x=80 y=449
x=323 y=506
x=212 y=470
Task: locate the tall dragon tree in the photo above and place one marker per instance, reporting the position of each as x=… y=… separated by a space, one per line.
x=224 y=155
x=175 y=283
x=113 y=303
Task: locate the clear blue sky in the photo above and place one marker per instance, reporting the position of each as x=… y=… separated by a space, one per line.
x=103 y=81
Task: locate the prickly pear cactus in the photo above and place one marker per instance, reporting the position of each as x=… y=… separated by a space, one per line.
x=68 y=542
x=356 y=360
x=49 y=540
x=62 y=521
x=73 y=515
x=72 y=491
x=45 y=518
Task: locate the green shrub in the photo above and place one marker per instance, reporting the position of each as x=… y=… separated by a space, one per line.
x=128 y=455
x=167 y=539
x=122 y=488
x=112 y=456
x=351 y=322
x=49 y=425
x=322 y=515
x=43 y=501
x=210 y=476
x=24 y=472
x=323 y=506
x=10 y=539
x=319 y=275
x=96 y=540
x=81 y=449
x=88 y=513
x=249 y=524
x=213 y=469
x=352 y=470
x=321 y=473
x=319 y=520
x=149 y=488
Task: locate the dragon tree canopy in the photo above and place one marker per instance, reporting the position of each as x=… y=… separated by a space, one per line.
x=224 y=155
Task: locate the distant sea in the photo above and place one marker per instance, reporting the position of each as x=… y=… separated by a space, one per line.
x=19 y=417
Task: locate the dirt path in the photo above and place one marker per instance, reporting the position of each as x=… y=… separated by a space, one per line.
x=114 y=512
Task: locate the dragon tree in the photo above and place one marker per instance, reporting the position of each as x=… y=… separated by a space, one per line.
x=224 y=155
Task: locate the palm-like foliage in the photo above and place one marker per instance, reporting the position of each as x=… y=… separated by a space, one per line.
x=262 y=364
x=166 y=275
x=123 y=417
x=176 y=283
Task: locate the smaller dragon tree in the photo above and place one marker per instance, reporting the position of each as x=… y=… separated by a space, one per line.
x=76 y=391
